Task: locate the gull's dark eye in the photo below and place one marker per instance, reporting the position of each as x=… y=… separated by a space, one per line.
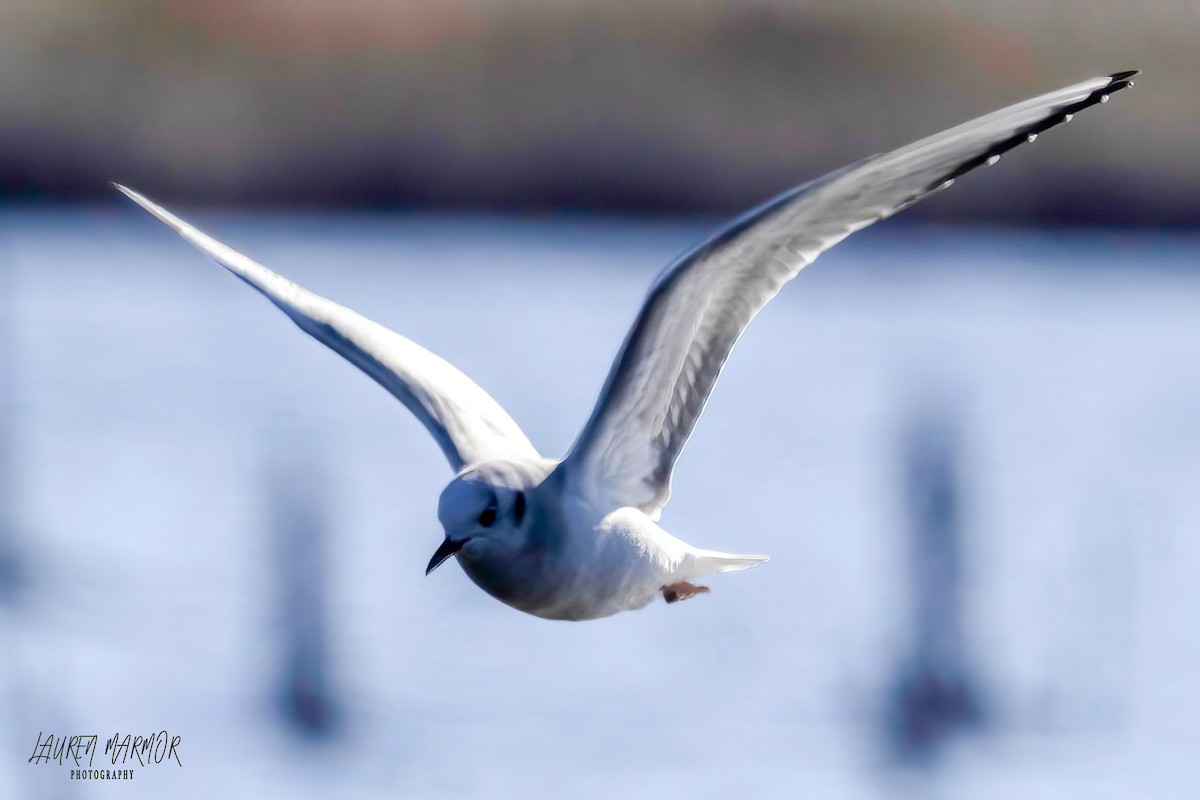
x=519 y=507
x=488 y=518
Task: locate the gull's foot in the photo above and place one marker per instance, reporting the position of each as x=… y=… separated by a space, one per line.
x=674 y=592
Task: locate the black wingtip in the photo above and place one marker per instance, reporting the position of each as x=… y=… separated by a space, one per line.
x=1117 y=81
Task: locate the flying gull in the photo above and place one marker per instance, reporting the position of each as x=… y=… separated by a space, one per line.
x=578 y=538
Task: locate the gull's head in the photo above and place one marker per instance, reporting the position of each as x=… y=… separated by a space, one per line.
x=485 y=512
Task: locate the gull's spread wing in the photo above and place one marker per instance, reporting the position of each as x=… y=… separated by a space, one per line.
x=467 y=423
x=699 y=306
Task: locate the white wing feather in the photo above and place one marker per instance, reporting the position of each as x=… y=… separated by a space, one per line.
x=467 y=423
x=699 y=306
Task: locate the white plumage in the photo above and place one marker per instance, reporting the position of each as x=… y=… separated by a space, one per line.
x=578 y=538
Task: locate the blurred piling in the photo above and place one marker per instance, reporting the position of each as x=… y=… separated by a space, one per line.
x=299 y=522
x=933 y=695
x=11 y=565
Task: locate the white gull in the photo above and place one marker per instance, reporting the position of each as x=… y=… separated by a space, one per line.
x=578 y=538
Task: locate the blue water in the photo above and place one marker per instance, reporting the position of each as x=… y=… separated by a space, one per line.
x=174 y=442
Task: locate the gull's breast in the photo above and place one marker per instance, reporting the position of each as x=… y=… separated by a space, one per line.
x=587 y=572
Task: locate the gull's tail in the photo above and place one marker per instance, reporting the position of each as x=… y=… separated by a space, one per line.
x=706 y=562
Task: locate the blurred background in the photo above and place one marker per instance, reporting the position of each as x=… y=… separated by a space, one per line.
x=968 y=437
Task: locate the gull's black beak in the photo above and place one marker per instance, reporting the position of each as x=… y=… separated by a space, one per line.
x=447 y=549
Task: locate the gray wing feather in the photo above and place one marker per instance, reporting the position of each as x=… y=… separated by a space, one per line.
x=467 y=423
x=699 y=306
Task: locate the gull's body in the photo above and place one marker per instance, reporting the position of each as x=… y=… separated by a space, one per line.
x=580 y=559
x=578 y=538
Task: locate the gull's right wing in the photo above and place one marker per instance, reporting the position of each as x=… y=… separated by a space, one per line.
x=699 y=306
x=467 y=423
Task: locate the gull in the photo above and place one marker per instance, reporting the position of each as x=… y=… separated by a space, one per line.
x=578 y=538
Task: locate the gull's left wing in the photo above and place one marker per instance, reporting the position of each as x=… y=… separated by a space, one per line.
x=700 y=305
x=467 y=423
